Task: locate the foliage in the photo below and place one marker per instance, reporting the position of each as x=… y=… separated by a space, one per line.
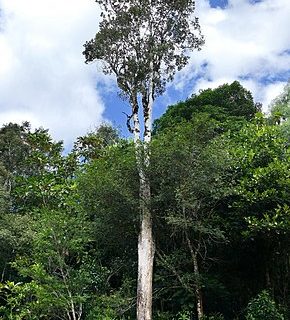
x=61 y=271
x=109 y=307
x=94 y=144
x=261 y=167
x=46 y=180
x=14 y=148
x=137 y=38
x=17 y=295
x=184 y=315
x=263 y=307
x=280 y=111
x=32 y=168
x=108 y=189
x=230 y=105
x=188 y=181
x=144 y=43
x=15 y=238
x=220 y=201
x=256 y=214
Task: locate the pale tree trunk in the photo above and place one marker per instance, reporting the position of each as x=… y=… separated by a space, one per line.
x=145 y=258
x=71 y=311
x=197 y=286
x=198 y=292
x=145 y=241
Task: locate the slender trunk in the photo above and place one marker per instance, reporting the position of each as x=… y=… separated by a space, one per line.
x=3 y=272
x=145 y=257
x=145 y=242
x=198 y=292
x=71 y=310
x=197 y=287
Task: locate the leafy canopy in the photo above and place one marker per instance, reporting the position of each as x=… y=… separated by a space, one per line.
x=229 y=104
x=138 y=38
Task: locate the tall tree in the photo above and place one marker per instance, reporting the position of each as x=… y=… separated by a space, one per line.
x=143 y=43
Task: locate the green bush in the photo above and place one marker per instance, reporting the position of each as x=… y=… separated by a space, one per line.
x=263 y=307
x=184 y=315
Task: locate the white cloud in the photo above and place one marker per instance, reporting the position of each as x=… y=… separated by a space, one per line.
x=243 y=41
x=272 y=91
x=43 y=77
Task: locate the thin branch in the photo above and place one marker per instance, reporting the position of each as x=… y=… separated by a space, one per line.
x=128 y=122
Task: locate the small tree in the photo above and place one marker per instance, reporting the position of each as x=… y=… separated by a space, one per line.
x=143 y=43
x=59 y=267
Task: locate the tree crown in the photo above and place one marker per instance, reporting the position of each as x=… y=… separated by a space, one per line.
x=141 y=38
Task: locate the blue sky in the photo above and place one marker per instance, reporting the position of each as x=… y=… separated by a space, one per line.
x=43 y=78
x=265 y=83
x=218 y=3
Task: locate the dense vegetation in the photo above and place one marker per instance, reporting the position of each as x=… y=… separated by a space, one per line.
x=220 y=175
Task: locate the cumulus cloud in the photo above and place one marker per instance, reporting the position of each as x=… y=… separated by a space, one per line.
x=43 y=78
x=247 y=41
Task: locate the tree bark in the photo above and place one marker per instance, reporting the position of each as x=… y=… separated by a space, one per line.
x=197 y=286
x=146 y=247
x=198 y=292
x=145 y=257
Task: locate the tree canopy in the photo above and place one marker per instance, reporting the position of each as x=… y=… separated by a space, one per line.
x=137 y=38
x=69 y=223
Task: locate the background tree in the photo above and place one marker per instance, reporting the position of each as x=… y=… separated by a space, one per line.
x=47 y=174
x=256 y=211
x=230 y=104
x=189 y=203
x=280 y=106
x=13 y=151
x=205 y=119
x=32 y=174
x=108 y=191
x=61 y=276
x=143 y=43
x=92 y=145
x=280 y=110
x=69 y=224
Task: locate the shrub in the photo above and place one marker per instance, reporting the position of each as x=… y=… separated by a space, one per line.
x=263 y=307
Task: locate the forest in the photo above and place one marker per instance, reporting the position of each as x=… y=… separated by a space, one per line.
x=220 y=182
x=187 y=218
